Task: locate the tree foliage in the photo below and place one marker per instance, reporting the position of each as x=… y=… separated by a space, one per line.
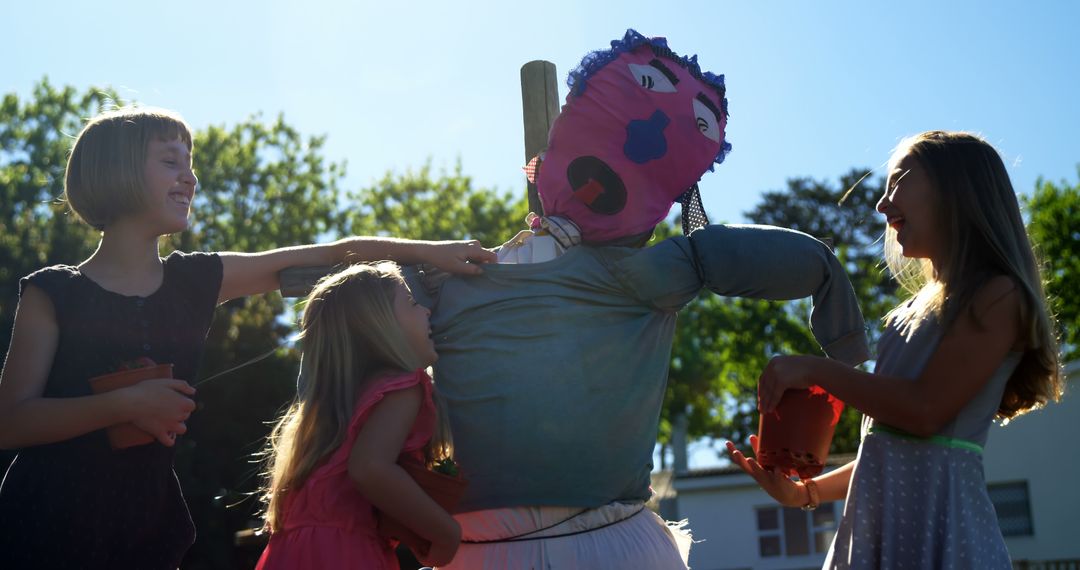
x=417 y=205
x=1053 y=212
x=35 y=228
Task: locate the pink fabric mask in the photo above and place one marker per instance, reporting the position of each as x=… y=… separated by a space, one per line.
x=640 y=126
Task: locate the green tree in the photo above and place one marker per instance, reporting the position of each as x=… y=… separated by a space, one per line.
x=1053 y=212
x=418 y=205
x=35 y=228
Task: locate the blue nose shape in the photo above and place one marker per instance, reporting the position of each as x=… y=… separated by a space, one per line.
x=645 y=138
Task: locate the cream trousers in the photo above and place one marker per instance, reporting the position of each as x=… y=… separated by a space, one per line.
x=618 y=535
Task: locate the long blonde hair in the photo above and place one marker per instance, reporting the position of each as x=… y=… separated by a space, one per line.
x=350 y=336
x=984 y=236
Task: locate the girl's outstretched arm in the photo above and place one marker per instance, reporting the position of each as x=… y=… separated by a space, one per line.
x=971 y=349
x=26 y=418
x=373 y=466
x=254 y=273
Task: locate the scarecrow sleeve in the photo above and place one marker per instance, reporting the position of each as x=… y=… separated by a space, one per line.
x=759 y=262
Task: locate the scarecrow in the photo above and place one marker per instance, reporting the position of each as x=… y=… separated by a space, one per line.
x=553 y=363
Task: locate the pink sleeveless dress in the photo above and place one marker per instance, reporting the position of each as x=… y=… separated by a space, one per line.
x=328 y=522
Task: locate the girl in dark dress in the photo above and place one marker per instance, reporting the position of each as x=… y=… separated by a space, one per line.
x=70 y=500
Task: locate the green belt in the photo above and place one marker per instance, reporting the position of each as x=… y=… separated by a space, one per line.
x=934 y=439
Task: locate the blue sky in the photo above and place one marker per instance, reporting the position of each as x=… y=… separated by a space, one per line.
x=815 y=88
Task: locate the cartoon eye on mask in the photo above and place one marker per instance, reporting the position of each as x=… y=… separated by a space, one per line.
x=655 y=76
x=707 y=116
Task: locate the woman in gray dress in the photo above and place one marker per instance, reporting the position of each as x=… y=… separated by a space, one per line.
x=973 y=343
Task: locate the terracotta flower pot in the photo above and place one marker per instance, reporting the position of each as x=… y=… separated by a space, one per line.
x=795 y=437
x=443 y=489
x=126 y=435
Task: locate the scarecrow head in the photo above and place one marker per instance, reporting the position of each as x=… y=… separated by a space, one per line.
x=640 y=126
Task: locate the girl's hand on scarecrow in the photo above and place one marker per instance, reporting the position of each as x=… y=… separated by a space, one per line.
x=463 y=257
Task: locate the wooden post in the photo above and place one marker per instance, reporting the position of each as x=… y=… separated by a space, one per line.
x=539 y=107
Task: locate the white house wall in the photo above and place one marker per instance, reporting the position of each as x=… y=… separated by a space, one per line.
x=722 y=514
x=1043 y=448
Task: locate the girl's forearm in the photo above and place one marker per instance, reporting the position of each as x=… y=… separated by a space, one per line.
x=833 y=486
x=894 y=401
x=380 y=248
x=390 y=488
x=39 y=421
x=346 y=250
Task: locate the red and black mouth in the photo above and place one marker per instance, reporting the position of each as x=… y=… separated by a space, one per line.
x=596 y=185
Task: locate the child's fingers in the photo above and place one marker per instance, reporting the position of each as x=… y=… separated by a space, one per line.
x=754 y=441
x=738 y=458
x=470 y=268
x=478 y=254
x=747 y=463
x=167 y=438
x=766 y=396
x=732 y=450
x=757 y=467
x=181 y=386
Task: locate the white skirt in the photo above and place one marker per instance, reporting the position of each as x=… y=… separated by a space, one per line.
x=619 y=535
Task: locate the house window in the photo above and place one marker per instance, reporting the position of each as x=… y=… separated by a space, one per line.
x=786 y=531
x=1013 y=508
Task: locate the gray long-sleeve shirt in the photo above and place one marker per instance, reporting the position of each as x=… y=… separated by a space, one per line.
x=554 y=373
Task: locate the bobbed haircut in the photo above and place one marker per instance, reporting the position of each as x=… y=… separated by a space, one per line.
x=104 y=176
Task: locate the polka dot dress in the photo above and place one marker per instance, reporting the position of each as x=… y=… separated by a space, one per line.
x=917 y=504
x=79 y=503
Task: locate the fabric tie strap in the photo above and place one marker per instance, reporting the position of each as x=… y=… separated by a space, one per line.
x=693 y=212
x=540 y=533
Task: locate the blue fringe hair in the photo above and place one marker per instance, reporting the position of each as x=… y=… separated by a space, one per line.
x=577 y=80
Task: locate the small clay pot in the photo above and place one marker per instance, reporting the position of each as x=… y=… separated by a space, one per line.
x=795 y=437
x=122 y=436
x=443 y=489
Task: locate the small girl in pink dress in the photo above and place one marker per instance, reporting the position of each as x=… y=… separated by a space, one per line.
x=364 y=400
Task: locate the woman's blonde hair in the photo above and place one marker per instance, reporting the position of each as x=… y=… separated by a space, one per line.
x=104 y=176
x=984 y=236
